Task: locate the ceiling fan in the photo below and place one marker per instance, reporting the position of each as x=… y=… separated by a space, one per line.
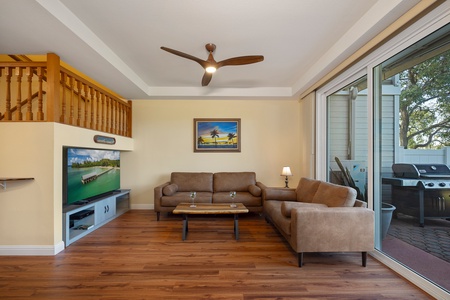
x=210 y=65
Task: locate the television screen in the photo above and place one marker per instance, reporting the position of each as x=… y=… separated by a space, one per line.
x=89 y=173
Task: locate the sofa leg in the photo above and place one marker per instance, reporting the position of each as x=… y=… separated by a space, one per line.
x=364 y=259
x=300 y=259
x=157 y=216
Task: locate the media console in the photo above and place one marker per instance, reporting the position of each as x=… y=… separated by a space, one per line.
x=80 y=220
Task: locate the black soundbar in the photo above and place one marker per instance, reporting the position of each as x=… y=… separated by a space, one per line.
x=81 y=214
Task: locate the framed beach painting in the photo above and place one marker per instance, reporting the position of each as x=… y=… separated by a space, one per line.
x=217 y=135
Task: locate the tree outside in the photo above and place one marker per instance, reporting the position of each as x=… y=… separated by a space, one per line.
x=425 y=104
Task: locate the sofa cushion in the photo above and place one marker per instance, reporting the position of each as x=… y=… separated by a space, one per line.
x=287 y=206
x=183 y=197
x=306 y=189
x=170 y=189
x=193 y=181
x=241 y=197
x=233 y=181
x=333 y=195
x=254 y=190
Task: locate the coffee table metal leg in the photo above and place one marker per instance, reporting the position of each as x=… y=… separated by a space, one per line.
x=236 y=226
x=185 y=226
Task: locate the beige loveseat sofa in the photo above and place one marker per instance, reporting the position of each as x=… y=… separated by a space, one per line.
x=319 y=216
x=210 y=188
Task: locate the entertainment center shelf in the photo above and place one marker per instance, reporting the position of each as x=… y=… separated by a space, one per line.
x=80 y=220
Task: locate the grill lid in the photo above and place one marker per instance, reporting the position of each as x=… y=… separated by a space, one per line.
x=403 y=170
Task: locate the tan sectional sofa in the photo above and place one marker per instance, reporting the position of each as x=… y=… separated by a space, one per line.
x=319 y=216
x=210 y=188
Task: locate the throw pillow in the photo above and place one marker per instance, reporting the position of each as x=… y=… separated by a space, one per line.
x=254 y=190
x=170 y=189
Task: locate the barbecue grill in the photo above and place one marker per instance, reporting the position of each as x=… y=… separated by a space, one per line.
x=421 y=190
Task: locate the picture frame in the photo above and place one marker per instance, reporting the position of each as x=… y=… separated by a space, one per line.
x=217 y=135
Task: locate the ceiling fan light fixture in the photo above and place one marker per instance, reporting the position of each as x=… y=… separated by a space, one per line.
x=210 y=65
x=211 y=69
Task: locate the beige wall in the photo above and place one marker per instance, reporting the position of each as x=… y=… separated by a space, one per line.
x=26 y=214
x=163 y=134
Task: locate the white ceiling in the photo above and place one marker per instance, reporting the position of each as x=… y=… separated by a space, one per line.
x=117 y=42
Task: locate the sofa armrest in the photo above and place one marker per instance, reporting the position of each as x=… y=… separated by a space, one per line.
x=158 y=193
x=261 y=185
x=332 y=229
x=282 y=194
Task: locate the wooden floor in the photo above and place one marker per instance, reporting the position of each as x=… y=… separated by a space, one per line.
x=136 y=257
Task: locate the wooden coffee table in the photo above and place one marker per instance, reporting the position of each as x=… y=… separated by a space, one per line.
x=210 y=209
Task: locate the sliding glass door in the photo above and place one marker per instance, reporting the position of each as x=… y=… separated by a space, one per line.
x=397 y=114
x=412 y=128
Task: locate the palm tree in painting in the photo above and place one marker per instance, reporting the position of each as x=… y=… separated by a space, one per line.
x=200 y=140
x=231 y=136
x=215 y=134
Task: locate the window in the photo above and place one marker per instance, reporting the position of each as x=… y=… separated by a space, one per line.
x=347 y=129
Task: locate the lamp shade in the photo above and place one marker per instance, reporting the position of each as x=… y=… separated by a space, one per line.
x=286 y=171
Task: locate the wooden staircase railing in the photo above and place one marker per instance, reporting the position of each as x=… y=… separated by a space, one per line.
x=48 y=92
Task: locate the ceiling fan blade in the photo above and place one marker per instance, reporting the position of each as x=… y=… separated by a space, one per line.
x=202 y=62
x=206 y=78
x=241 y=60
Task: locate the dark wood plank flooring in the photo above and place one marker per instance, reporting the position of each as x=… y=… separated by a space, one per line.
x=136 y=257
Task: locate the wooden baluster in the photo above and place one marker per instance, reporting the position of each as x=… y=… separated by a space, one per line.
x=116 y=116
x=122 y=118
x=40 y=113
x=123 y=127
x=92 y=125
x=113 y=119
x=111 y=116
x=125 y=120
x=97 y=122
x=107 y=114
x=29 y=74
x=8 y=74
x=119 y=118
x=19 y=94
x=102 y=128
x=129 y=119
x=86 y=106
x=62 y=118
x=71 y=113
x=79 y=116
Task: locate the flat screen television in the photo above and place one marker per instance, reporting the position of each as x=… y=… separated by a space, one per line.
x=89 y=174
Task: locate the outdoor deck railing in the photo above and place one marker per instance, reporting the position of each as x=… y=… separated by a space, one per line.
x=48 y=92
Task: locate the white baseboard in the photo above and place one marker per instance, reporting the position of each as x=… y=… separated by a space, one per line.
x=31 y=250
x=142 y=206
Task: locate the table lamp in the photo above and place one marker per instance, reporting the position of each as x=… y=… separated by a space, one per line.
x=286 y=172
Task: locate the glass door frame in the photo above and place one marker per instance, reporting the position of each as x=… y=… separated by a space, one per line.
x=366 y=66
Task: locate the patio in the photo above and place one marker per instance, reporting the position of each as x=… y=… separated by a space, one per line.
x=425 y=250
